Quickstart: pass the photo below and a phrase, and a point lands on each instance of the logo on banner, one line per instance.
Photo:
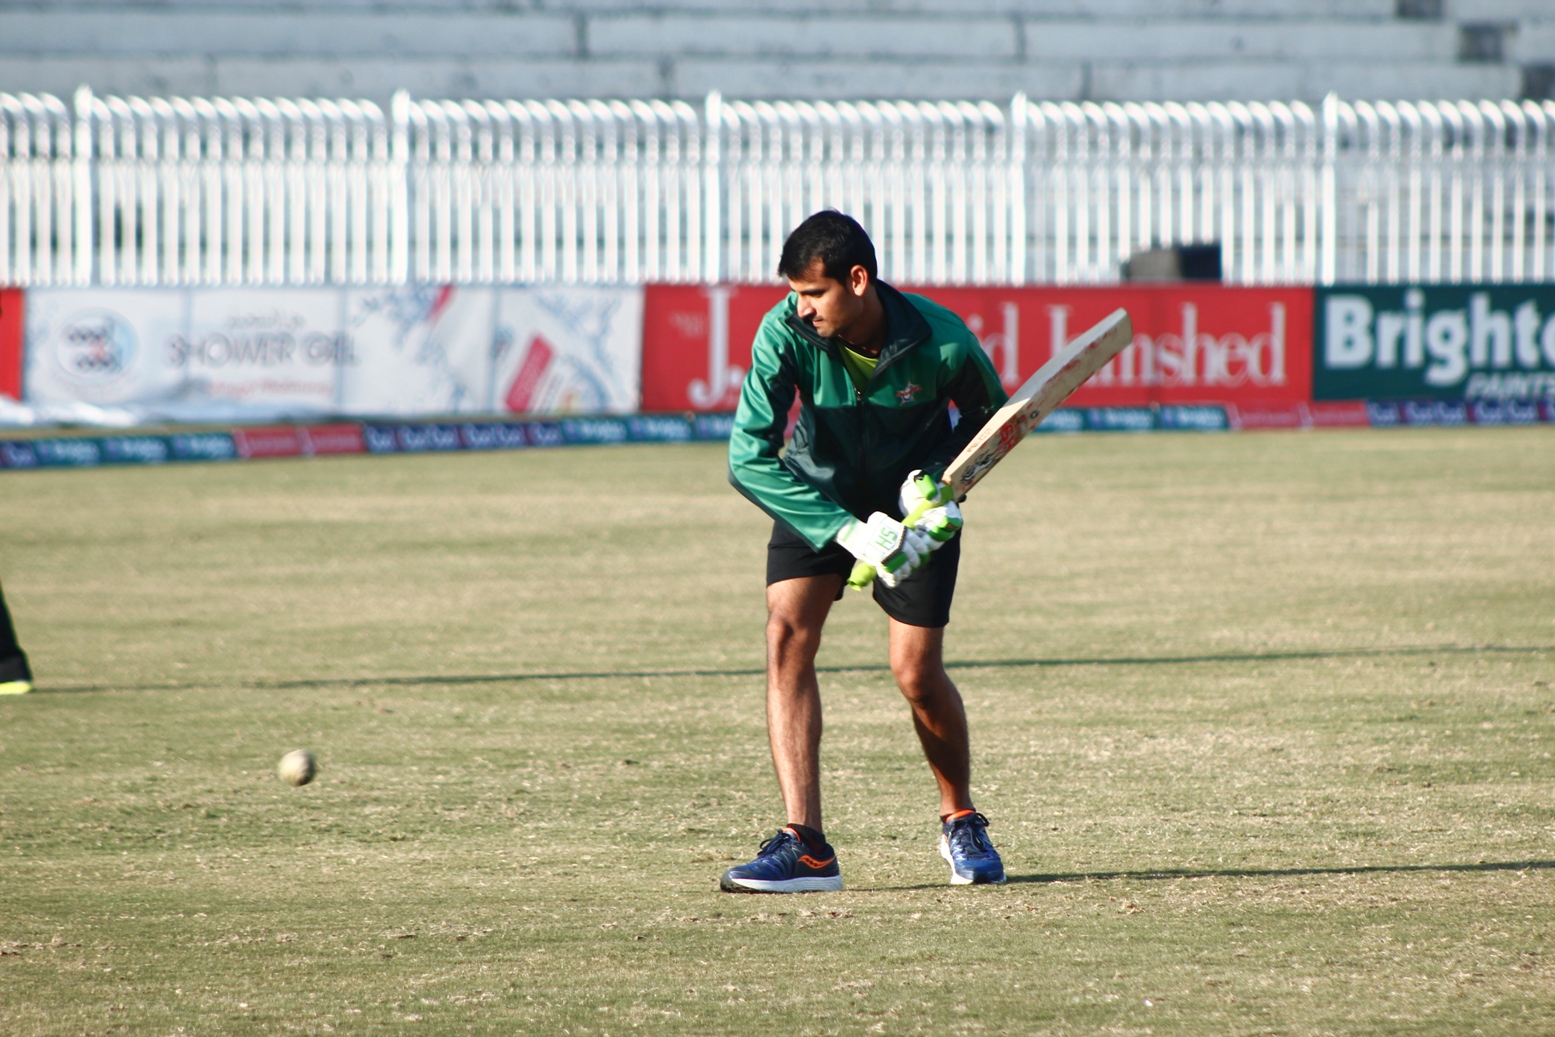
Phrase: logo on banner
(523, 391)
(1444, 341)
(723, 379)
(261, 338)
(96, 348)
(1003, 346)
(1191, 357)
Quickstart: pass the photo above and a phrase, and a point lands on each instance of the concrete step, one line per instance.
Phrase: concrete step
(244, 33)
(1374, 10)
(672, 36)
(1051, 49)
(1534, 40)
(377, 78)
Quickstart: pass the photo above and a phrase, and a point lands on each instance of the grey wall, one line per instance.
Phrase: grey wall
(1052, 49)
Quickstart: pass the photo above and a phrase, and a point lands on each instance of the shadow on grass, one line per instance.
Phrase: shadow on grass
(1153, 875)
(1159, 874)
(964, 664)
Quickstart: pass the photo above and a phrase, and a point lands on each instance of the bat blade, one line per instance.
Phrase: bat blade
(1041, 394)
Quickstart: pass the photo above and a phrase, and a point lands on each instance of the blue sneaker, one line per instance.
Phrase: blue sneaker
(784, 864)
(964, 844)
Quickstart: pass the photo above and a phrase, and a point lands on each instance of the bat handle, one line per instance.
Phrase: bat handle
(863, 573)
(862, 576)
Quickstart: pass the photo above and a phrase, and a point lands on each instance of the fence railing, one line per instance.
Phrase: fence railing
(160, 191)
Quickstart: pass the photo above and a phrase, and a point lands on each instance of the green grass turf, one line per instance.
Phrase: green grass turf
(1263, 723)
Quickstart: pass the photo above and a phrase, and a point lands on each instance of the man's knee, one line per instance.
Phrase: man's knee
(921, 680)
(789, 633)
(917, 661)
(796, 612)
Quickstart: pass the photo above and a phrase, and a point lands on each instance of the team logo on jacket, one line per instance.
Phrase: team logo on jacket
(906, 395)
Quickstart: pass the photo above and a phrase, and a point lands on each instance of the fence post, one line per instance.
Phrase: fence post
(81, 187)
(1330, 245)
(399, 179)
(1017, 180)
(712, 189)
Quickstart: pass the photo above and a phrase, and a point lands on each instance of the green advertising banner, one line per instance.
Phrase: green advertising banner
(1446, 342)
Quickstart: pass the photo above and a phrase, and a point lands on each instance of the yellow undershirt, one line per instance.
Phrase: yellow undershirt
(860, 367)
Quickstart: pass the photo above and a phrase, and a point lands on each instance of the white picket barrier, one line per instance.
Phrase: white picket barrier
(176, 191)
(219, 191)
(41, 188)
(580, 192)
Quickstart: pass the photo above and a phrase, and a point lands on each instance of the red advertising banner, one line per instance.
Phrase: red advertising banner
(298, 440)
(12, 334)
(1251, 347)
(697, 343)
(268, 441)
(333, 439)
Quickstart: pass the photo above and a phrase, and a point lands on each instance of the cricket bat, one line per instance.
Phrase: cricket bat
(1053, 383)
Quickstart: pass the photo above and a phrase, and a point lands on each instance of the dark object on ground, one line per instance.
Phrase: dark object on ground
(13, 661)
(1175, 263)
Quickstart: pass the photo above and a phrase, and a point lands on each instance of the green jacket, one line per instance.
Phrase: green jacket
(851, 450)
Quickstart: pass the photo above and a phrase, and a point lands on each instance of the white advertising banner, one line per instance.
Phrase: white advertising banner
(567, 350)
(117, 356)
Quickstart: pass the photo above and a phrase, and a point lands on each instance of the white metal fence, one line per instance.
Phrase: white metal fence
(145, 191)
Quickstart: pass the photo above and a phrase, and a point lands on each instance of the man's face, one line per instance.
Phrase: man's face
(826, 304)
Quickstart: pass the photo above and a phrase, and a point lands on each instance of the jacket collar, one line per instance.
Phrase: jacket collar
(905, 327)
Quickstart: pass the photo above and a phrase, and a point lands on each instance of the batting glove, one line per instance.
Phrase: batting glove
(942, 519)
(893, 549)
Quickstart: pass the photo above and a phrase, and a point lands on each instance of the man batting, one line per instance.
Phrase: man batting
(876, 371)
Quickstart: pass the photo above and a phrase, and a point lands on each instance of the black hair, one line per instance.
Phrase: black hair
(835, 239)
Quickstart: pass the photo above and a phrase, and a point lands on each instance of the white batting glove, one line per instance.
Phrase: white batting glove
(893, 549)
(940, 522)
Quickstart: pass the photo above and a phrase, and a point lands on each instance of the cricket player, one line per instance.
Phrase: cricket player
(15, 677)
(876, 371)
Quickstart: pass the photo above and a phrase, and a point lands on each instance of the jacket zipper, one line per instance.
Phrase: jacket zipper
(863, 447)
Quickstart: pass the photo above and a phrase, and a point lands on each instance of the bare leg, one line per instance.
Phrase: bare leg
(917, 661)
(796, 612)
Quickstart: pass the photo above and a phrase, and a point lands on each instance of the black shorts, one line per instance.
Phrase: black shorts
(921, 600)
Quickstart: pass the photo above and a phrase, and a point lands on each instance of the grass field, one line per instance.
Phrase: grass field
(1263, 723)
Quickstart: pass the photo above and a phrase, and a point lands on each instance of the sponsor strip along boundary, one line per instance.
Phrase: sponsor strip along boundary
(269, 441)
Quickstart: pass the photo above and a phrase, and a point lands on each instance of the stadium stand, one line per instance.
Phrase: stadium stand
(1050, 49)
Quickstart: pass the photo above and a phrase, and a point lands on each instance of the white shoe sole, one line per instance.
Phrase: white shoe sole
(958, 879)
(830, 884)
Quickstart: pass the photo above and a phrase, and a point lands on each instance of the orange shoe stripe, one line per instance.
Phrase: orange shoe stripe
(959, 814)
(806, 859)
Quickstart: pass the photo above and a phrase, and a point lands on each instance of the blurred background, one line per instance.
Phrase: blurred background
(1075, 50)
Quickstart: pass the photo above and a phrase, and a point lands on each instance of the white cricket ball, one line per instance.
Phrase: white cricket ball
(297, 767)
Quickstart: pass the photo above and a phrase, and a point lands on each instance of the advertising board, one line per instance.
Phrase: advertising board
(1479, 344)
(268, 354)
(697, 343)
(12, 336)
(1192, 344)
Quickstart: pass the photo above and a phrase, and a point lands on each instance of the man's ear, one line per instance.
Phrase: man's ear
(858, 280)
